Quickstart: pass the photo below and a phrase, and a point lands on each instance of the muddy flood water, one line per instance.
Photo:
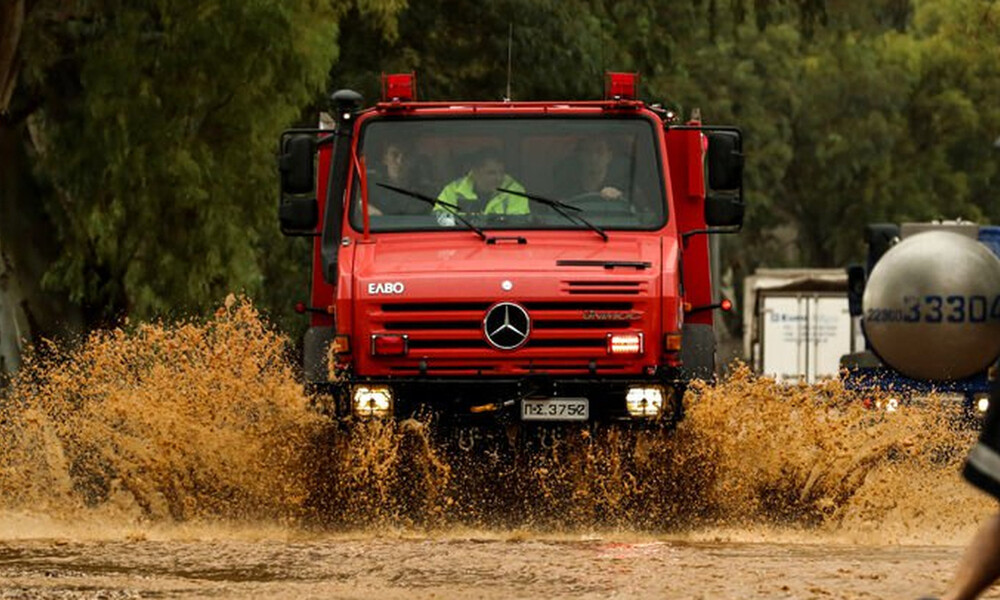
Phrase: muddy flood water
(184, 461)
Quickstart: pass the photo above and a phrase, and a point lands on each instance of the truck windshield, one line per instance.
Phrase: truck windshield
(590, 173)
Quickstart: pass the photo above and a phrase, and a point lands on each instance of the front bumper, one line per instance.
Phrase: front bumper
(472, 400)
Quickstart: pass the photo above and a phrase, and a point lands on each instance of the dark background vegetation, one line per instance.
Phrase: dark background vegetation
(137, 138)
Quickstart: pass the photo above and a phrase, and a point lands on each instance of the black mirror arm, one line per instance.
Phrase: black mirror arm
(709, 231)
(298, 233)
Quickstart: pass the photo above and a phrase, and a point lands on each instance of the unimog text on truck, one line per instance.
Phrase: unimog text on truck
(528, 261)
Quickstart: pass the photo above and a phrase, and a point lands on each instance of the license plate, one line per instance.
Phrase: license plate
(555, 409)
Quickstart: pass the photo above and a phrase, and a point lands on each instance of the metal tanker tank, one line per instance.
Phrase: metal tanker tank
(931, 306)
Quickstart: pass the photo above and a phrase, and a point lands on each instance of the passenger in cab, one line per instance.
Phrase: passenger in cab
(589, 171)
(477, 191)
(397, 165)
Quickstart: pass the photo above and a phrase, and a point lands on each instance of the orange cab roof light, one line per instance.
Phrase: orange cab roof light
(399, 87)
(621, 86)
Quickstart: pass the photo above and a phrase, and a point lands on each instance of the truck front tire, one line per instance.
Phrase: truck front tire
(698, 352)
(315, 348)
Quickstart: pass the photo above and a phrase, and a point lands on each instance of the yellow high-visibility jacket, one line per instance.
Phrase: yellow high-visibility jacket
(462, 193)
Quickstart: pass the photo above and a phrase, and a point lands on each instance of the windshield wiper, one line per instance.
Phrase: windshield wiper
(451, 208)
(561, 208)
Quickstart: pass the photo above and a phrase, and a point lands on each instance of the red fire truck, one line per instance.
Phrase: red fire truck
(534, 261)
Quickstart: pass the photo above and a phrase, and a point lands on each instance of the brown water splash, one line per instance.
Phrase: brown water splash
(816, 456)
(750, 453)
(195, 421)
(171, 422)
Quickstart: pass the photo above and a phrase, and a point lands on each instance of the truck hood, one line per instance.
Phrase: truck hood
(415, 256)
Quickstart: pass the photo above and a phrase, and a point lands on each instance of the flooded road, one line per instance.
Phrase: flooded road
(468, 565)
(184, 461)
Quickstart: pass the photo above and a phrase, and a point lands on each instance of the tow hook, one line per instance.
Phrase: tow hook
(548, 439)
(466, 439)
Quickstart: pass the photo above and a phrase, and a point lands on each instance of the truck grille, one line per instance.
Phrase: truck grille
(448, 337)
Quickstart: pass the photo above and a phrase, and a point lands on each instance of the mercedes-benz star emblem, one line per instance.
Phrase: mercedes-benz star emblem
(507, 326)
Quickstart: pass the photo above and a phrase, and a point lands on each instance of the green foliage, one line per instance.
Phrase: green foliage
(158, 120)
(459, 50)
(874, 112)
(159, 137)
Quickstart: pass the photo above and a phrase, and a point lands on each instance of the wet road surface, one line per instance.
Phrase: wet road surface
(205, 564)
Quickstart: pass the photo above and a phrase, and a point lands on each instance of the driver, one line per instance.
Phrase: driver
(589, 172)
(476, 192)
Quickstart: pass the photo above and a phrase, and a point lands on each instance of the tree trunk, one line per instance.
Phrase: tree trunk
(11, 25)
(28, 245)
(14, 328)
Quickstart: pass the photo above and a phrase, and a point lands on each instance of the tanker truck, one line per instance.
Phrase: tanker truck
(929, 304)
(491, 283)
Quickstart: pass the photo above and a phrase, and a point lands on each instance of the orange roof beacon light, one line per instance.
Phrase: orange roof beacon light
(399, 87)
(621, 86)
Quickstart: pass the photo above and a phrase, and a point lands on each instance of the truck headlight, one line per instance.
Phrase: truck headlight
(373, 401)
(982, 403)
(645, 401)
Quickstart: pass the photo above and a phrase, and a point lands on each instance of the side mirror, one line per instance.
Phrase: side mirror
(724, 210)
(298, 212)
(298, 155)
(725, 161)
(298, 216)
(724, 206)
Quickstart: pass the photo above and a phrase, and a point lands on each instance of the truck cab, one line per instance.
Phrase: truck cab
(541, 261)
